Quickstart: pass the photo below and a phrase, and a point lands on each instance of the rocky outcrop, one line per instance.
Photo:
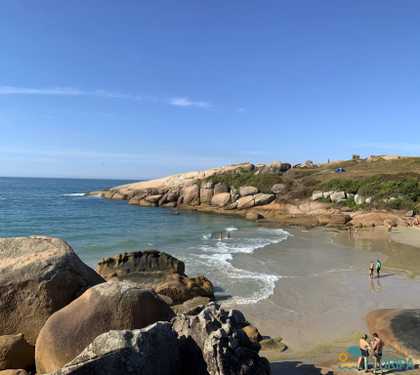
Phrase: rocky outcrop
(159, 271)
(262, 199)
(38, 276)
(215, 344)
(206, 193)
(246, 202)
(221, 199)
(278, 188)
(252, 333)
(338, 196)
(16, 353)
(191, 307)
(247, 190)
(153, 350)
(108, 306)
(181, 288)
(374, 219)
(212, 342)
(191, 195)
(221, 187)
(128, 265)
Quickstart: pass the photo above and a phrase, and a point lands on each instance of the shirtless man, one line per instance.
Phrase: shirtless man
(377, 347)
(364, 353)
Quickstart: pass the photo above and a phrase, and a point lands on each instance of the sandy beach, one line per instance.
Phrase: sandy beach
(324, 292)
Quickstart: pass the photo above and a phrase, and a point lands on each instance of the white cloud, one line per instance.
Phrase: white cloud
(70, 91)
(63, 91)
(187, 102)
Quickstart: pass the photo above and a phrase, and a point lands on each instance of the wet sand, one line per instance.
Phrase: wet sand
(324, 291)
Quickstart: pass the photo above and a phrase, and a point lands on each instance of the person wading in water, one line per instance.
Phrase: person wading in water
(378, 268)
(371, 269)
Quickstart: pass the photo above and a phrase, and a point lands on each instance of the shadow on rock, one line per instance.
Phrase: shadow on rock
(297, 368)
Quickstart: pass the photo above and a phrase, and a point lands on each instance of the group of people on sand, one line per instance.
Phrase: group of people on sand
(373, 346)
(375, 266)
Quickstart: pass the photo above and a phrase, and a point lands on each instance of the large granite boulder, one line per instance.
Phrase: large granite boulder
(109, 306)
(191, 195)
(16, 353)
(38, 276)
(168, 197)
(261, 199)
(181, 288)
(247, 190)
(206, 192)
(135, 264)
(246, 202)
(338, 196)
(220, 200)
(279, 188)
(155, 198)
(117, 196)
(214, 343)
(153, 350)
(221, 187)
(192, 306)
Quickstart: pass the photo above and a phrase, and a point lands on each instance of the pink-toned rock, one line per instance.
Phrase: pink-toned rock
(220, 200)
(38, 276)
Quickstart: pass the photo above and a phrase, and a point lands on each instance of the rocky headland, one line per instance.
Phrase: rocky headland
(139, 313)
(368, 193)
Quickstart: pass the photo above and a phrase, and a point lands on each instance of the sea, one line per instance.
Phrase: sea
(98, 228)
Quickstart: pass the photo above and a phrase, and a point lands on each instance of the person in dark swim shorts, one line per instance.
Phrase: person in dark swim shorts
(364, 353)
(377, 346)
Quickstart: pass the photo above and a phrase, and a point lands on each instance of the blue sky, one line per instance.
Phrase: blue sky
(131, 89)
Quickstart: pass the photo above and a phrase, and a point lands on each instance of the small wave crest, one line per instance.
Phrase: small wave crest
(219, 254)
(266, 282)
(231, 229)
(74, 195)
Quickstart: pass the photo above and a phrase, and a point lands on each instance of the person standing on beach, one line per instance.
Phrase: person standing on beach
(377, 347)
(364, 354)
(378, 267)
(371, 269)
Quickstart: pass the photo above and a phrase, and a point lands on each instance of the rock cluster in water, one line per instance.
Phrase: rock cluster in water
(58, 316)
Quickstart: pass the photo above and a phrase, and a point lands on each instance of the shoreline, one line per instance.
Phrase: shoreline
(308, 318)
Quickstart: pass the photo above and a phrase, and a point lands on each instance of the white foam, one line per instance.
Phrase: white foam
(219, 254)
(74, 195)
(267, 281)
(206, 236)
(275, 231)
(231, 229)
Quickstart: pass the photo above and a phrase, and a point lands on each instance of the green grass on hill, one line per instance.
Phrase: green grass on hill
(395, 191)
